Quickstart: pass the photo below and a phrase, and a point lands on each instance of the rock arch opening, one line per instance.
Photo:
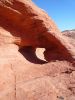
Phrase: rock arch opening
(33, 55)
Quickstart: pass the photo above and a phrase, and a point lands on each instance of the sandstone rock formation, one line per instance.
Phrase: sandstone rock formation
(69, 33)
(23, 76)
(32, 27)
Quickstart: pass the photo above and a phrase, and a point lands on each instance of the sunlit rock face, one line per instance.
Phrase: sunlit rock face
(69, 33)
(36, 59)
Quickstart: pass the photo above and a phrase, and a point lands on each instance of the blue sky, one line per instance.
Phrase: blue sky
(61, 11)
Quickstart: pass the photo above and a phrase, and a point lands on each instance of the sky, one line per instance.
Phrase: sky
(61, 11)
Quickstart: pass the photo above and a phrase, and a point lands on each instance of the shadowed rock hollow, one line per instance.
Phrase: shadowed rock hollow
(27, 72)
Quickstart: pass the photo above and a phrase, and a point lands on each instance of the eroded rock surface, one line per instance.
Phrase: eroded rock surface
(32, 27)
(23, 76)
(69, 33)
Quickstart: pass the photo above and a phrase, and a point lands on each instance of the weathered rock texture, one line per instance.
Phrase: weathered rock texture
(69, 33)
(70, 36)
(23, 76)
(30, 26)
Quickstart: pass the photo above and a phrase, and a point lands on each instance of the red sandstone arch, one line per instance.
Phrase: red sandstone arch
(32, 27)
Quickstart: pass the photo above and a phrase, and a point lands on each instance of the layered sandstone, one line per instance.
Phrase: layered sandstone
(25, 73)
(32, 27)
